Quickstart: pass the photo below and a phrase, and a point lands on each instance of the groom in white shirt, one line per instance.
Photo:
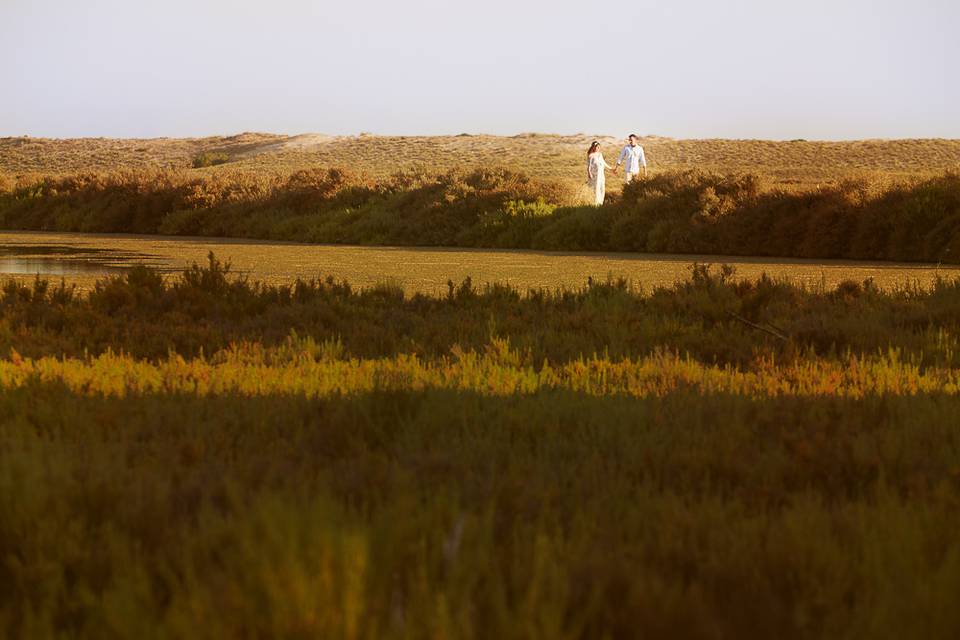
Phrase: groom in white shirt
(633, 154)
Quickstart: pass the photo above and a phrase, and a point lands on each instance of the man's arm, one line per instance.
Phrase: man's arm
(643, 161)
(623, 154)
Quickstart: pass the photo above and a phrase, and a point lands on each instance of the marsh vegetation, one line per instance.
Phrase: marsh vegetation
(208, 455)
(213, 457)
(689, 212)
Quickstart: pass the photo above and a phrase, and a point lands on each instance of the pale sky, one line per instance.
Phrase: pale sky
(815, 69)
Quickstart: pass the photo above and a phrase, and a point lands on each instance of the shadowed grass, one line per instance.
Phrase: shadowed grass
(315, 461)
(452, 514)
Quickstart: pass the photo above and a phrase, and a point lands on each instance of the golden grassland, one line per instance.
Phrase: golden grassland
(248, 371)
(713, 459)
(91, 257)
(798, 163)
(866, 200)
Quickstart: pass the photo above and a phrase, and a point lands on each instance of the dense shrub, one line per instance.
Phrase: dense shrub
(740, 459)
(210, 159)
(457, 514)
(675, 212)
(712, 317)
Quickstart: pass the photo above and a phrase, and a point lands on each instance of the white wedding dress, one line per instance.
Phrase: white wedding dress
(598, 182)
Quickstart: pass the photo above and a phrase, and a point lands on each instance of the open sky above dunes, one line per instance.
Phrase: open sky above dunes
(687, 68)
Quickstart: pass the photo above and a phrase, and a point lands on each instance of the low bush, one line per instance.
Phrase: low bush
(209, 457)
(712, 317)
(417, 512)
(677, 212)
(209, 159)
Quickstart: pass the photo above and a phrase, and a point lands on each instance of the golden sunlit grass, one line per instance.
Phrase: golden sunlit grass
(424, 271)
(249, 370)
(868, 200)
(798, 163)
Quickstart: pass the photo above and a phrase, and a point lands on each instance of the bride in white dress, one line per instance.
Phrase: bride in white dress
(596, 165)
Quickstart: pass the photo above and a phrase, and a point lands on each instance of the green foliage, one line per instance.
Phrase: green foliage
(210, 159)
(674, 212)
(712, 317)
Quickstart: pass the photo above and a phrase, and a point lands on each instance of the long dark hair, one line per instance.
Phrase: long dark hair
(593, 147)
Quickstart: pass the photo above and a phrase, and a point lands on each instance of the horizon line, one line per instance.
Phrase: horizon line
(367, 134)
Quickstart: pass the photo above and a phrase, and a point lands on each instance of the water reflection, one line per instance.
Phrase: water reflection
(50, 250)
(55, 267)
(61, 260)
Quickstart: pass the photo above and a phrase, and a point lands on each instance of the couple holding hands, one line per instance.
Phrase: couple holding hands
(632, 155)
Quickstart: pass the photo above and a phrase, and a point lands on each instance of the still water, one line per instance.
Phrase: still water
(84, 258)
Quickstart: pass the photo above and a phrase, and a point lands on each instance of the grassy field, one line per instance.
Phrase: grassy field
(720, 458)
(873, 200)
(83, 259)
(216, 458)
(409, 512)
(788, 164)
